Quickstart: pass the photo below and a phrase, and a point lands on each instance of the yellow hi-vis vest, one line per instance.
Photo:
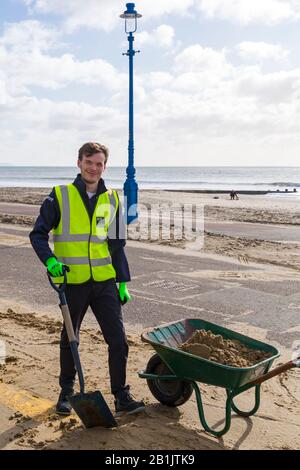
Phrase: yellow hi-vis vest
(81, 243)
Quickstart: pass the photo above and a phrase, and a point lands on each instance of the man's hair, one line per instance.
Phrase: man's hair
(90, 148)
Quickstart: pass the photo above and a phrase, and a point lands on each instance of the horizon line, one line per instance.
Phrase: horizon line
(3, 165)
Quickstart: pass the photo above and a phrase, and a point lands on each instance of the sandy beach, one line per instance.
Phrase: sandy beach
(28, 379)
(281, 212)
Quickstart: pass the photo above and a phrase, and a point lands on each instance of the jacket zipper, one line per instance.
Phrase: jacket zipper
(89, 240)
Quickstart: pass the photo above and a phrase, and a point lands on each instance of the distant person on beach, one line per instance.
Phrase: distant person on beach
(89, 238)
(233, 195)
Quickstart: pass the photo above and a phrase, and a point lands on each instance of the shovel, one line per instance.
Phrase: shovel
(91, 408)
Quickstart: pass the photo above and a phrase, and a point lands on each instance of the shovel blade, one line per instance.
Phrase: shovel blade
(93, 410)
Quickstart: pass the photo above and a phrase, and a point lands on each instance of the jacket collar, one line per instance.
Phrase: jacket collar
(81, 186)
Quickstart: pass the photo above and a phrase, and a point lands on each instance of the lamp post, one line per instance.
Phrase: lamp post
(130, 185)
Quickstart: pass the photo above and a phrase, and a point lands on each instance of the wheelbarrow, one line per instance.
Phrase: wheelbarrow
(172, 374)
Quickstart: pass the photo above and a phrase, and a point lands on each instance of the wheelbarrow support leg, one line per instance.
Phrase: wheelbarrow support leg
(202, 417)
(245, 414)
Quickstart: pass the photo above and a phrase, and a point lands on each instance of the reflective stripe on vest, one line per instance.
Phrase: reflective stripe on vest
(81, 243)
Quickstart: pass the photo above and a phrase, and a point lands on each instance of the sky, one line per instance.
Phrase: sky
(216, 82)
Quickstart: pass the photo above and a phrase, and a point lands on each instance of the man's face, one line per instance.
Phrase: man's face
(92, 167)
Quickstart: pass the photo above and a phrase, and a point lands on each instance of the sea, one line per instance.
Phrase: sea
(176, 178)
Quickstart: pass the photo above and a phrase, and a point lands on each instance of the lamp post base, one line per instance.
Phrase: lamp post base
(130, 200)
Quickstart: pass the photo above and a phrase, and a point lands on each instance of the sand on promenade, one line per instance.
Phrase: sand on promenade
(28, 386)
(249, 208)
(29, 379)
(269, 211)
(258, 209)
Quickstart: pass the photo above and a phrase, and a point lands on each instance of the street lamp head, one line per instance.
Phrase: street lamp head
(130, 16)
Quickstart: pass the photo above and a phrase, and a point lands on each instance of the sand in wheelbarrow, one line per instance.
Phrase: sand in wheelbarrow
(228, 352)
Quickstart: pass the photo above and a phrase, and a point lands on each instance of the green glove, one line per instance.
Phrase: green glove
(123, 293)
(55, 268)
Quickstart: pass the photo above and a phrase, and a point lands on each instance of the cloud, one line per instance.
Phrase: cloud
(271, 88)
(4, 95)
(261, 51)
(29, 34)
(208, 98)
(103, 14)
(152, 9)
(251, 11)
(90, 13)
(46, 132)
(38, 129)
(25, 63)
(200, 106)
(180, 117)
(196, 58)
(162, 36)
(157, 79)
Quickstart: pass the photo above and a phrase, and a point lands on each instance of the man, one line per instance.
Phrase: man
(89, 237)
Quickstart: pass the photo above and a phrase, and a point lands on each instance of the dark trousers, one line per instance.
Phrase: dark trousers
(104, 301)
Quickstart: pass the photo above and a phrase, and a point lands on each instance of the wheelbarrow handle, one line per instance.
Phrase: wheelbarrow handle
(278, 370)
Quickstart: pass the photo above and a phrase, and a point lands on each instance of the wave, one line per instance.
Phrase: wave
(215, 183)
(50, 178)
(286, 184)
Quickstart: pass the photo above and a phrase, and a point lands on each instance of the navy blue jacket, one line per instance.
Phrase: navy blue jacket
(50, 216)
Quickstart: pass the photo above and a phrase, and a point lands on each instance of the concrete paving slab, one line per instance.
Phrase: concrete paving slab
(283, 288)
(169, 284)
(173, 286)
(271, 232)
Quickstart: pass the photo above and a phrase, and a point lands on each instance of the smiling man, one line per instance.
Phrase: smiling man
(89, 237)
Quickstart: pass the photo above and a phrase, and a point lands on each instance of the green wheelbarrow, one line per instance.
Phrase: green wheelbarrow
(172, 374)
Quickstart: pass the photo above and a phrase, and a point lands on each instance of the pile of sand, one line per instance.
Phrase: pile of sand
(229, 352)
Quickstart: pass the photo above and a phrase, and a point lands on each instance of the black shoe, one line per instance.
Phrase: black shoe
(126, 404)
(63, 406)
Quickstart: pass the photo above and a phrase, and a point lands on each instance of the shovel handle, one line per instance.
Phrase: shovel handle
(72, 341)
(68, 324)
(278, 370)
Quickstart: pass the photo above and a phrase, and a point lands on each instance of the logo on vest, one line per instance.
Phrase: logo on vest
(100, 221)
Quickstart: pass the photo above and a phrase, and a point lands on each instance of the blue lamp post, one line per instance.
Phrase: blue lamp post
(130, 185)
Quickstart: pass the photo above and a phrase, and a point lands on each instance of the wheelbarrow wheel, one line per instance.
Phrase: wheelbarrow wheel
(167, 392)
